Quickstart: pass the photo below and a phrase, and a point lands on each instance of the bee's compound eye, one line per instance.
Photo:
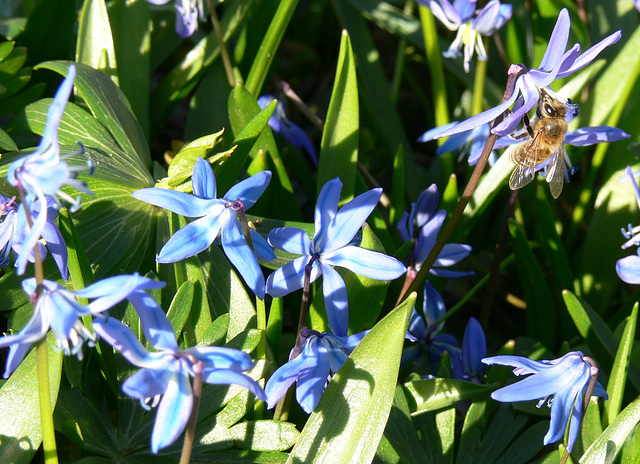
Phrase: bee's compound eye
(569, 101)
(549, 110)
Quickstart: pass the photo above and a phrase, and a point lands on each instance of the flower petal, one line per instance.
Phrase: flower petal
(290, 239)
(326, 209)
(173, 412)
(220, 357)
(193, 238)
(58, 248)
(590, 54)
(366, 263)
(474, 348)
(249, 190)
(451, 254)
(289, 277)
(203, 180)
(157, 329)
(335, 300)
(179, 202)
(348, 221)
(287, 374)
(628, 269)
(228, 377)
(557, 42)
(112, 290)
(445, 12)
(598, 134)
(262, 247)
(313, 376)
(242, 257)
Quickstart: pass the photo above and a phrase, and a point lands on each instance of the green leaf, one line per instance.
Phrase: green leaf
(181, 307)
(541, 313)
(339, 147)
(20, 429)
(401, 433)
(472, 429)
(267, 51)
(607, 447)
(109, 106)
(6, 142)
(348, 423)
(504, 427)
(264, 435)
(181, 167)
(526, 446)
(433, 394)
(95, 42)
(618, 376)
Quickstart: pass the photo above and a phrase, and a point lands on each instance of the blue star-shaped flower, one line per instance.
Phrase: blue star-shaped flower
(322, 355)
(331, 246)
(556, 64)
(188, 12)
(163, 379)
(291, 132)
(217, 216)
(564, 380)
(44, 172)
(428, 337)
(58, 308)
(470, 24)
(423, 223)
(14, 231)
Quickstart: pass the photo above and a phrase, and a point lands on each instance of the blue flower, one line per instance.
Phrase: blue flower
(423, 223)
(556, 64)
(428, 337)
(14, 231)
(58, 308)
(288, 130)
(44, 172)
(332, 245)
(474, 349)
(322, 355)
(187, 14)
(470, 24)
(563, 381)
(628, 268)
(469, 142)
(582, 137)
(217, 217)
(163, 379)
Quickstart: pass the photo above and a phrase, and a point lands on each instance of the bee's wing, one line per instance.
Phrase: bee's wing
(555, 174)
(521, 176)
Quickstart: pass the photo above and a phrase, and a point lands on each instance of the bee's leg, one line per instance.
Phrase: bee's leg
(527, 124)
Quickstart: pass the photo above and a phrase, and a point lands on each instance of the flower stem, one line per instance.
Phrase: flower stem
(224, 51)
(421, 277)
(190, 434)
(42, 358)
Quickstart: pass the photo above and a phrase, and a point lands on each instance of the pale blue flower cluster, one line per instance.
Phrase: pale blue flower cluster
(470, 24)
(561, 382)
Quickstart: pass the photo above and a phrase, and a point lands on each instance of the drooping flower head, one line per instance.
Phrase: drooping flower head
(474, 349)
(423, 223)
(470, 24)
(188, 12)
(563, 382)
(291, 132)
(331, 246)
(556, 63)
(14, 230)
(427, 336)
(58, 308)
(217, 216)
(42, 173)
(163, 378)
(321, 357)
(628, 268)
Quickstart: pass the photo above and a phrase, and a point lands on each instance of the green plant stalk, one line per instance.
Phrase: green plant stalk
(584, 201)
(422, 275)
(42, 361)
(224, 51)
(398, 70)
(266, 53)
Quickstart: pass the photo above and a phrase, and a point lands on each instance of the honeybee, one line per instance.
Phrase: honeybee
(547, 134)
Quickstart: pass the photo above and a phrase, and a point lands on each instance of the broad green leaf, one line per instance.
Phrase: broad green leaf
(433, 394)
(109, 106)
(267, 51)
(339, 147)
(446, 426)
(6, 142)
(20, 429)
(541, 313)
(618, 376)
(347, 424)
(590, 428)
(181, 167)
(95, 42)
(208, 106)
(607, 447)
(504, 427)
(265, 435)
(472, 430)
(526, 446)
